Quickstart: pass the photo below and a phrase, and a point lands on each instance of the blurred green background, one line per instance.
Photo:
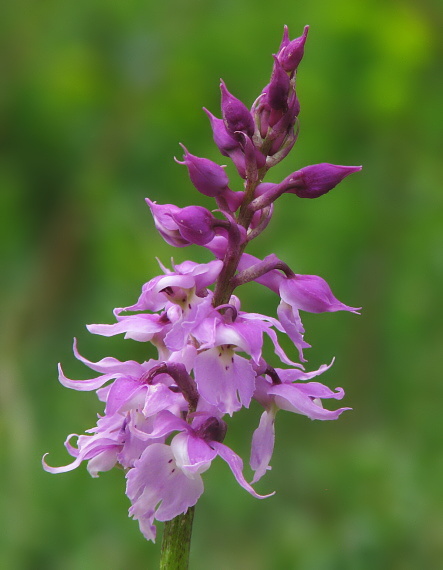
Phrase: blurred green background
(96, 96)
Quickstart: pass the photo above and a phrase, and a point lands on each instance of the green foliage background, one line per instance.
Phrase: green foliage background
(96, 96)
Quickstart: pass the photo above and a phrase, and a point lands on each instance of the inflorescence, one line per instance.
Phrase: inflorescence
(164, 419)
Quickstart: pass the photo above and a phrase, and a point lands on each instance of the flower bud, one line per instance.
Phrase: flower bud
(253, 158)
(278, 88)
(285, 39)
(165, 225)
(222, 138)
(236, 115)
(291, 54)
(195, 224)
(312, 294)
(317, 179)
(208, 177)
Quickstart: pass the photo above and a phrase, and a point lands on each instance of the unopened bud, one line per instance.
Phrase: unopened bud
(315, 180)
(236, 115)
(208, 177)
(312, 294)
(291, 54)
(165, 225)
(195, 224)
(278, 88)
(222, 138)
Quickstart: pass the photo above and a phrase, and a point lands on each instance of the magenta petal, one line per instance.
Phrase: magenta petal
(236, 465)
(262, 445)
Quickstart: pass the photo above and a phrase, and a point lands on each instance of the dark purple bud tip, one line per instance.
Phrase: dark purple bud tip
(208, 177)
(213, 429)
(315, 180)
(285, 39)
(236, 115)
(195, 224)
(292, 53)
(278, 88)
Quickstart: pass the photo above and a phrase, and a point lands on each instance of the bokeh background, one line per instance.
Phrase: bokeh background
(95, 97)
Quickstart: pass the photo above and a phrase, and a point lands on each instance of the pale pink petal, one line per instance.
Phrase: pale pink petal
(192, 454)
(158, 488)
(224, 379)
(294, 374)
(110, 365)
(86, 385)
(263, 445)
(292, 398)
(236, 465)
(291, 322)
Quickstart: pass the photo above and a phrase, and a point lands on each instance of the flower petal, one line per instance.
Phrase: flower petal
(291, 397)
(224, 379)
(236, 465)
(263, 445)
(158, 488)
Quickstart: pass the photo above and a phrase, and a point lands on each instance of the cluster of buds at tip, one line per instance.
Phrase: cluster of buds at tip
(166, 419)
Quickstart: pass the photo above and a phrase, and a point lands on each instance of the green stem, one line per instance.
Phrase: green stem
(177, 542)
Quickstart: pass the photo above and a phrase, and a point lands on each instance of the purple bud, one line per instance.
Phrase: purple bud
(315, 180)
(234, 199)
(283, 128)
(238, 158)
(285, 39)
(283, 149)
(195, 224)
(312, 294)
(278, 88)
(291, 54)
(253, 158)
(222, 138)
(208, 177)
(167, 228)
(235, 114)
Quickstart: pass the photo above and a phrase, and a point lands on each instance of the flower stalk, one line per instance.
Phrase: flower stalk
(176, 543)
